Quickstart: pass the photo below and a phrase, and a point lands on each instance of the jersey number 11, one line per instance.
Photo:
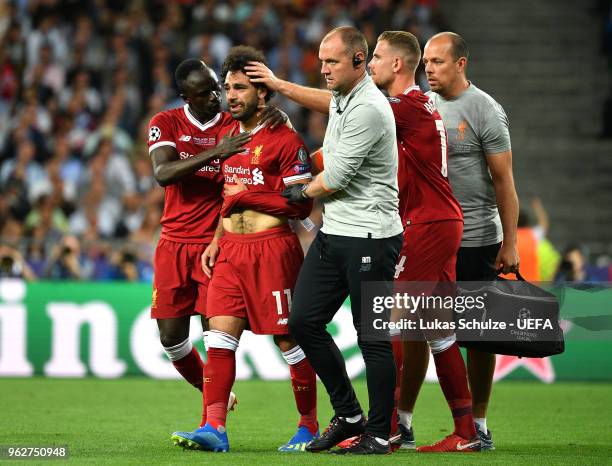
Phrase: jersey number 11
(279, 302)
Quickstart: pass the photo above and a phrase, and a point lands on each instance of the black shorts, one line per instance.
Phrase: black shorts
(477, 263)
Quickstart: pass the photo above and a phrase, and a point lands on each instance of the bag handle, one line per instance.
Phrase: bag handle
(518, 275)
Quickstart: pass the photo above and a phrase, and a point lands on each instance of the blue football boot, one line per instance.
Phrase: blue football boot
(299, 441)
(205, 438)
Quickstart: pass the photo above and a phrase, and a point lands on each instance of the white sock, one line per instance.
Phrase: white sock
(294, 355)
(352, 419)
(178, 352)
(405, 418)
(382, 441)
(482, 424)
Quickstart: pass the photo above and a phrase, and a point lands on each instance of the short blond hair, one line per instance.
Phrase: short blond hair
(407, 44)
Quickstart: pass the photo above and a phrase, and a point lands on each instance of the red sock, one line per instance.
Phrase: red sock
(219, 376)
(453, 381)
(304, 383)
(398, 357)
(204, 405)
(191, 368)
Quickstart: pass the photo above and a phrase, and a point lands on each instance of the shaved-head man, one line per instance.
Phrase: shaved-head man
(480, 172)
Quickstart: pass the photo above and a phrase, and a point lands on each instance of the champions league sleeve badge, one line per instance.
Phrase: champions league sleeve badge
(302, 155)
(154, 133)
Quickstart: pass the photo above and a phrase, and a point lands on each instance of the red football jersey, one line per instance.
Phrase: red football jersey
(271, 160)
(424, 190)
(192, 205)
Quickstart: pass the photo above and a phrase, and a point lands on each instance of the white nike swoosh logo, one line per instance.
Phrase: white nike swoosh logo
(467, 445)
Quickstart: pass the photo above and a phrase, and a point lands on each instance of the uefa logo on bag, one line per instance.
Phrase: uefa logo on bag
(524, 314)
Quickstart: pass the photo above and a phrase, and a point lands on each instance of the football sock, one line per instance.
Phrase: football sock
(453, 381)
(352, 419)
(186, 360)
(405, 418)
(304, 383)
(219, 376)
(482, 424)
(204, 405)
(398, 358)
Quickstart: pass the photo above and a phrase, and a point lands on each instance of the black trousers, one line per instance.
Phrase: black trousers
(477, 263)
(333, 269)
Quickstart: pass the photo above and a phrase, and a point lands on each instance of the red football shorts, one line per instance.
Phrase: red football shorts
(429, 252)
(426, 265)
(254, 277)
(179, 284)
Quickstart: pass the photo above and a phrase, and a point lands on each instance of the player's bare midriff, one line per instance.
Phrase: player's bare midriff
(251, 221)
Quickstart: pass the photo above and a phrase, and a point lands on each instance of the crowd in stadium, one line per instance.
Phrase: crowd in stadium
(604, 10)
(79, 83)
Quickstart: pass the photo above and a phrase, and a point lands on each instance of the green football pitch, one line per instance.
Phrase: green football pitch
(130, 421)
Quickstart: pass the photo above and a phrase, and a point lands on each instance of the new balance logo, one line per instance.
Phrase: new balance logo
(258, 177)
(282, 321)
(185, 138)
(366, 264)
